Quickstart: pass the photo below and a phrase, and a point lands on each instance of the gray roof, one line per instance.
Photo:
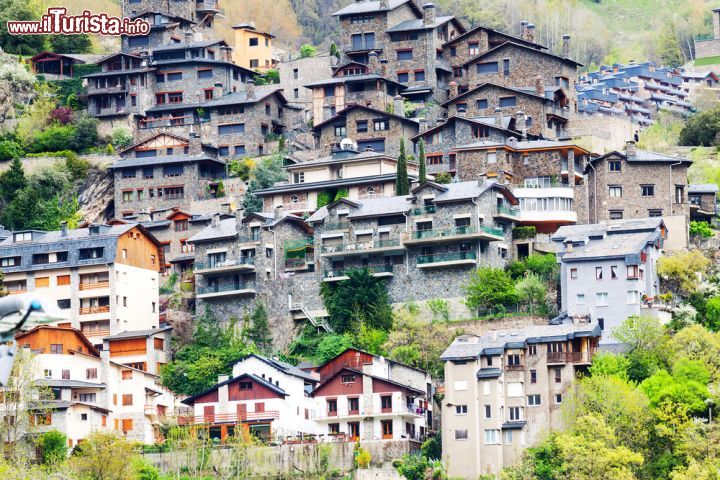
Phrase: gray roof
(351, 78)
(226, 228)
(137, 333)
(463, 190)
(54, 382)
(611, 246)
(373, 207)
(236, 98)
(183, 45)
(163, 160)
(319, 215)
(301, 187)
(419, 24)
(183, 258)
(702, 188)
(647, 156)
(337, 159)
(572, 232)
(468, 347)
(368, 7)
(118, 72)
(286, 368)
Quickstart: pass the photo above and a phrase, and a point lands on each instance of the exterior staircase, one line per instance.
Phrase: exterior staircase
(300, 312)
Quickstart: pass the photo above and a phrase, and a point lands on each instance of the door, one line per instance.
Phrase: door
(209, 414)
(242, 412)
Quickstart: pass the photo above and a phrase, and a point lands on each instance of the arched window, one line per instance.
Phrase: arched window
(294, 199)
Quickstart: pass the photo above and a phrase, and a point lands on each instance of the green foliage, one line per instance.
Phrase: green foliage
(18, 44)
(523, 232)
(86, 134)
(681, 270)
(272, 76)
(443, 177)
(545, 266)
(422, 172)
(53, 447)
(531, 291)
(432, 447)
(144, 470)
(701, 230)
(361, 457)
(362, 299)
(12, 180)
(54, 138)
(668, 47)
(214, 350)
(242, 168)
(121, 138)
(413, 466)
(687, 386)
(105, 455)
(307, 51)
(402, 182)
(109, 150)
(169, 286)
(70, 43)
(10, 150)
(80, 71)
(489, 288)
(331, 346)
(440, 309)
(259, 332)
(712, 314)
(334, 50)
(701, 129)
(646, 342)
(342, 193)
(68, 90)
(607, 363)
(267, 171)
(323, 199)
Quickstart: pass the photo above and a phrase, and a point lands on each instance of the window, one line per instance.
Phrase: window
(42, 282)
(654, 213)
(254, 42)
(633, 297)
(461, 410)
(487, 67)
(598, 273)
(580, 298)
(558, 374)
(492, 437)
(362, 126)
(90, 373)
(558, 398)
(298, 177)
(353, 405)
(230, 128)
(296, 73)
(506, 67)
(492, 157)
(9, 261)
(533, 376)
(386, 403)
(331, 407)
(245, 385)
(205, 73)
(473, 48)
(381, 124)
(127, 399)
(208, 93)
(647, 190)
(616, 214)
(56, 348)
(181, 225)
(127, 374)
(508, 102)
(340, 130)
(88, 397)
(172, 76)
(601, 323)
(573, 273)
(480, 131)
(461, 434)
(532, 350)
(403, 77)
(632, 271)
(296, 93)
(508, 437)
(387, 428)
(405, 54)
(482, 104)
(515, 413)
(348, 378)
(63, 303)
(615, 192)
(614, 166)
(679, 194)
(488, 412)
(489, 361)
(513, 359)
(175, 97)
(127, 423)
(462, 106)
(419, 75)
(534, 400)
(601, 299)
(434, 160)
(239, 149)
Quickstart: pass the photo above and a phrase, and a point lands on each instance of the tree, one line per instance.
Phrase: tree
(712, 314)
(12, 180)
(701, 129)
(334, 50)
(422, 172)
(646, 341)
(70, 43)
(266, 173)
(105, 455)
(545, 266)
(18, 44)
(668, 46)
(259, 332)
(53, 447)
(331, 346)
(10, 150)
(121, 137)
(362, 299)
(701, 230)
(443, 177)
(531, 291)
(402, 182)
(489, 288)
(307, 51)
(607, 363)
(687, 387)
(681, 269)
(699, 344)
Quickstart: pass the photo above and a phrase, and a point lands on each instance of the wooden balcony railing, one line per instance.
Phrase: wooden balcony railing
(556, 357)
(92, 285)
(97, 333)
(89, 310)
(229, 417)
(514, 368)
(16, 292)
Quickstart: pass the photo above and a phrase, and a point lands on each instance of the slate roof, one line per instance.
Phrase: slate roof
(352, 78)
(354, 106)
(226, 228)
(183, 45)
(336, 159)
(644, 156)
(616, 245)
(702, 188)
(573, 232)
(163, 160)
(524, 91)
(137, 333)
(524, 47)
(284, 367)
(419, 24)
(235, 98)
(301, 187)
(119, 72)
(370, 7)
(374, 207)
(512, 37)
(469, 347)
(54, 382)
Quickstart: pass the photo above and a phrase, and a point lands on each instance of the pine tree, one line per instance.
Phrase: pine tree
(422, 175)
(259, 331)
(12, 180)
(402, 183)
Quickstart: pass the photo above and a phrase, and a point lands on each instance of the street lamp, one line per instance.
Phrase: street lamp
(709, 402)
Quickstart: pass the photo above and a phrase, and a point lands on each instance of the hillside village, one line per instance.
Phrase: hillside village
(437, 250)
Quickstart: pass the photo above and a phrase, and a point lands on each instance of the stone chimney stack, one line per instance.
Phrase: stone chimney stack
(461, 112)
(383, 67)
(498, 117)
(539, 87)
(384, 5)
(423, 124)
(398, 107)
(716, 24)
(239, 214)
(327, 112)
(279, 211)
(63, 229)
(429, 14)
(523, 28)
(630, 149)
(373, 63)
(566, 46)
(194, 143)
(215, 221)
(530, 33)
(250, 88)
(520, 124)
(453, 89)
(189, 37)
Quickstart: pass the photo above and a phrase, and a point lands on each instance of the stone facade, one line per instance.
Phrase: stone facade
(296, 73)
(646, 184)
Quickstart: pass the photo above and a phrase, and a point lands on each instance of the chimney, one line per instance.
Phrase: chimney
(498, 117)
(250, 88)
(423, 124)
(279, 211)
(384, 5)
(566, 46)
(429, 14)
(716, 24)
(539, 87)
(373, 63)
(63, 229)
(630, 150)
(523, 28)
(453, 89)
(521, 124)
(189, 37)
(327, 112)
(239, 213)
(223, 378)
(461, 112)
(215, 221)
(530, 33)
(568, 246)
(223, 394)
(194, 143)
(383, 67)
(398, 107)
(144, 216)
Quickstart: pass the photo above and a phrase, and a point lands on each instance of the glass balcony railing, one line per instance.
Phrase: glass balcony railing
(363, 246)
(508, 211)
(292, 245)
(337, 226)
(446, 257)
(226, 263)
(225, 287)
(249, 238)
(450, 232)
(428, 209)
(384, 268)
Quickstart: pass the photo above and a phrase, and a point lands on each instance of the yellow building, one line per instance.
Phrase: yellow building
(253, 48)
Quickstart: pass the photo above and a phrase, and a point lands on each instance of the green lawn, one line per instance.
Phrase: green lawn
(700, 62)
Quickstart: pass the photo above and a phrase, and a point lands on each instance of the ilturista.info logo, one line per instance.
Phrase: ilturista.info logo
(57, 22)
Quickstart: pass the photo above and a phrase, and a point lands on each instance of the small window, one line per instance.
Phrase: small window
(615, 192)
(127, 399)
(598, 273)
(532, 350)
(362, 126)
(482, 104)
(246, 385)
(534, 400)
(613, 272)
(602, 299)
(254, 42)
(56, 348)
(487, 68)
(647, 190)
(419, 75)
(403, 77)
(488, 412)
(348, 378)
(127, 374)
(492, 157)
(508, 102)
(573, 273)
(473, 48)
(404, 54)
(558, 398)
(614, 166)
(533, 376)
(461, 434)
(461, 410)
(580, 299)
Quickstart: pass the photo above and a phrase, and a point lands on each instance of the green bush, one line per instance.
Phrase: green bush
(490, 288)
(545, 266)
(443, 177)
(323, 199)
(54, 138)
(523, 232)
(440, 309)
(53, 447)
(307, 51)
(121, 138)
(9, 150)
(701, 230)
(342, 193)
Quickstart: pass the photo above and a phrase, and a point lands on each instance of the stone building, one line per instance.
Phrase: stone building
(296, 73)
(105, 278)
(703, 202)
(368, 128)
(312, 184)
(710, 47)
(504, 392)
(165, 171)
(608, 271)
(637, 184)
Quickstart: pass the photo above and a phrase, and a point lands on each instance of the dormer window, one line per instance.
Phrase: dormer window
(22, 237)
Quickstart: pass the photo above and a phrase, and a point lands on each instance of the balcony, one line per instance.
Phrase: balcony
(226, 290)
(17, 291)
(546, 203)
(208, 6)
(94, 285)
(559, 112)
(441, 260)
(577, 169)
(412, 411)
(426, 210)
(232, 417)
(91, 310)
(557, 357)
(506, 213)
(378, 271)
(292, 264)
(569, 357)
(454, 234)
(238, 264)
(336, 226)
(107, 90)
(514, 368)
(373, 246)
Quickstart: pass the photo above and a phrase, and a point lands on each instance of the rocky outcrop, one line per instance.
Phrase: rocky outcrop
(96, 195)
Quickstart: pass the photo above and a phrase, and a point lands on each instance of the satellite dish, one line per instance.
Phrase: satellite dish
(347, 144)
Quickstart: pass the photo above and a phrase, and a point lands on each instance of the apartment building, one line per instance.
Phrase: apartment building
(637, 184)
(609, 270)
(703, 202)
(165, 171)
(357, 174)
(105, 277)
(296, 73)
(96, 390)
(266, 397)
(253, 48)
(368, 128)
(504, 392)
